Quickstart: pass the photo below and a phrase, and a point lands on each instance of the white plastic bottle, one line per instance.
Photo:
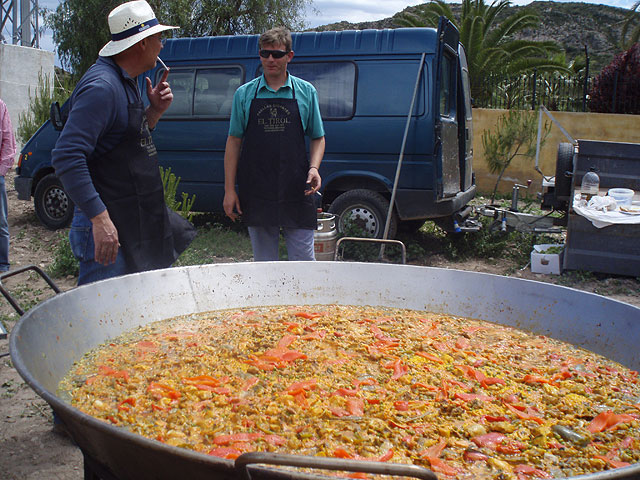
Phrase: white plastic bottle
(590, 184)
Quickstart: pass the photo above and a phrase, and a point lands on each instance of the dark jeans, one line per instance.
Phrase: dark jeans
(83, 248)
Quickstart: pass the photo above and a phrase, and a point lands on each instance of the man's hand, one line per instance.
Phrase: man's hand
(313, 179)
(105, 238)
(316, 152)
(231, 204)
(160, 97)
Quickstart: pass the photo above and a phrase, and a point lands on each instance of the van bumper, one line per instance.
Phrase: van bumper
(23, 187)
(416, 205)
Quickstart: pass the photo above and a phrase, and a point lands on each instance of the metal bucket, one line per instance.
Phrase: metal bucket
(325, 236)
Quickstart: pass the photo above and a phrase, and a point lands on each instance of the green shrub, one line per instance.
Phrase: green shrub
(40, 102)
(170, 184)
(64, 263)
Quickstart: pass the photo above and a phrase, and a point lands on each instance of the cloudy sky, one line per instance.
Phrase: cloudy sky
(331, 11)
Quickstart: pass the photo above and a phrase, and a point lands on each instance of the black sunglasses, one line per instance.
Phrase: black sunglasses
(264, 53)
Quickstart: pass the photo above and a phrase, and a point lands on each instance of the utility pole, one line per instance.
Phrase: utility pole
(22, 17)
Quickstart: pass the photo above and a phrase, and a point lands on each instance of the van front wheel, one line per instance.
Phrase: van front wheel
(53, 207)
(363, 211)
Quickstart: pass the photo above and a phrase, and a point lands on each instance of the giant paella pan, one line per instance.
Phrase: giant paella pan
(50, 338)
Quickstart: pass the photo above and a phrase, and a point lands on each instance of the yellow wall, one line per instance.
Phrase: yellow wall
(589, 126)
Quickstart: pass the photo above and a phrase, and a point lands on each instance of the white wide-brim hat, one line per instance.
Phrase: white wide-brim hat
(129, 23)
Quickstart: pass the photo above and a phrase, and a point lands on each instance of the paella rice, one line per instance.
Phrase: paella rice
(465, 398)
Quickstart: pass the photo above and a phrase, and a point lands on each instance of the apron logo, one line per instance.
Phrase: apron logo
(274, 118)
(146, 140)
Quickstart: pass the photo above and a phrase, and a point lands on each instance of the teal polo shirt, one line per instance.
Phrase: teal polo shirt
(306, 96)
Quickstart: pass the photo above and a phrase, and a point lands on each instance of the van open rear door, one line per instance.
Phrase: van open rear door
(445, 102)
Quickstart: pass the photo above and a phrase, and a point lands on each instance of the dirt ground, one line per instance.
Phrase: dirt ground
(29, 448)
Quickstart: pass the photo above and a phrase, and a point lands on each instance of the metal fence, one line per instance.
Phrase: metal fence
(560, 93)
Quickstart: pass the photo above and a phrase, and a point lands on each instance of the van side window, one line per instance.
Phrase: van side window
(335, 83)
(203, 92)
(181, 82)
(385, 89)
(445, 86)
(214, 91)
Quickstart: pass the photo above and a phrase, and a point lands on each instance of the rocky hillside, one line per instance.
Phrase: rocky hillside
(571, 25)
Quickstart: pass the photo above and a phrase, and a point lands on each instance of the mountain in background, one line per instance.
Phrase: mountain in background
(572, 25)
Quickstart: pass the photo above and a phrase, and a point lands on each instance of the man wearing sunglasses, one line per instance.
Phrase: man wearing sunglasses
(266, 154)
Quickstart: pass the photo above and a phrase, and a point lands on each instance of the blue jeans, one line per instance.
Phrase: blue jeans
(4, 229)
(83, 248)
(264, 241)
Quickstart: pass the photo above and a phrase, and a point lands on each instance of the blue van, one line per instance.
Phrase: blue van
(366, 80)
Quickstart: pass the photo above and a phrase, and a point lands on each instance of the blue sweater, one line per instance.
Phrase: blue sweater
(98, 118)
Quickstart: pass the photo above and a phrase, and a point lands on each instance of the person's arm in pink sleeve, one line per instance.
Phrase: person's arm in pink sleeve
(7, 141)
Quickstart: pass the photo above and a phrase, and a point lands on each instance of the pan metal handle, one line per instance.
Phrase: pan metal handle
(396, 469)
(11, 273)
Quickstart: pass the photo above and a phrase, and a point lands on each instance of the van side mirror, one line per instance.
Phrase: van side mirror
(55, 117)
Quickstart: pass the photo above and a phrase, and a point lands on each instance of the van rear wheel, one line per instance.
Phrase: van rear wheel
(53, 207)
(365, 210)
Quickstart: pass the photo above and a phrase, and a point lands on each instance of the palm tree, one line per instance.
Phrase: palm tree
(490, 45)
(630, 26)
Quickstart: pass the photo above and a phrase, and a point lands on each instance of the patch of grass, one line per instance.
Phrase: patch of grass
(64, 263)
(36, 240)
(26, 295)
(215, 241)
(573, 277)
(9, 389)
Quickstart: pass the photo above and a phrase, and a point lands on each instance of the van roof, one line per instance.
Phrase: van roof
(343, 43)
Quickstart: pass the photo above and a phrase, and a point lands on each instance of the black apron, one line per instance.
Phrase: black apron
(273, 167)
(128, 181)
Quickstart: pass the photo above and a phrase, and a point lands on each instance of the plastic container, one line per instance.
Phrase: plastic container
(590, 184)
(622, 196)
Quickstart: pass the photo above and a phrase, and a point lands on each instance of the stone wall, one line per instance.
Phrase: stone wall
(19, 69)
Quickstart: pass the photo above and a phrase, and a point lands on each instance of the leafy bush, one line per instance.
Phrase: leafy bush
(170, 184)
(64, 263)
(616, 89)
(40, 103)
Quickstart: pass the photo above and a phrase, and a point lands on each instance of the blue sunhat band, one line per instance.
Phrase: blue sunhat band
(134, 30)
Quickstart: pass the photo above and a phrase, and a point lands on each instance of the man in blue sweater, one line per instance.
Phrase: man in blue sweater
(106, 159)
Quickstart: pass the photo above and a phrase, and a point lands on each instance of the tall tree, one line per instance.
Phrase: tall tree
(80, 26)
(631, 27)
(491, 46)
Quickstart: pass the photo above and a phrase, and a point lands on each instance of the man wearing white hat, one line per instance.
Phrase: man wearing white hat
(106, 159)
